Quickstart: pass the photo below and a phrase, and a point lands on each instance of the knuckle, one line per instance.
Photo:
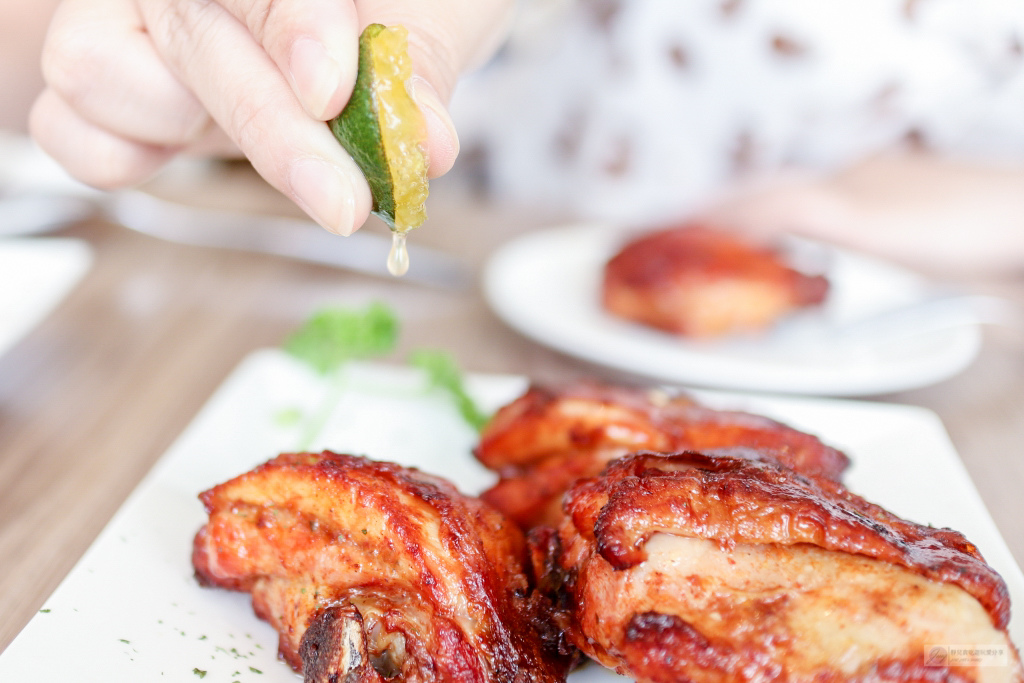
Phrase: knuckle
(177, 27)
(122, 165)
(70, 62)
(259, 15)
(246, 125)
(106, 164)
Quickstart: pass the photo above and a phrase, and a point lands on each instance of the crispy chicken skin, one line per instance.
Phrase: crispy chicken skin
(370, 572)
(721, 567)
(547, 439)
(695, 281)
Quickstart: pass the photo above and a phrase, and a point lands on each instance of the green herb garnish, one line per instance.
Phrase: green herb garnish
(289, 417)
(255, 670)
(334, 336)
(199, 672)
(444, 373)
(331, 338)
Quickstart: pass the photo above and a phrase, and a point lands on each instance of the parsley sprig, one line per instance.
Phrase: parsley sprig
(329, 340)
(333, 337)
(444, 373)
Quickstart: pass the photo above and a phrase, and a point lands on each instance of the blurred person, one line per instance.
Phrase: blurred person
(889, 125)
(894, 126)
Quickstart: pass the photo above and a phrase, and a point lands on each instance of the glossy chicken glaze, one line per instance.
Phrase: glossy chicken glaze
(713, 567)
(370, 571)
(695, 281)
(545, 440)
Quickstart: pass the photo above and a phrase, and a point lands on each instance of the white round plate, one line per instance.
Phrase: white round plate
(547, 286)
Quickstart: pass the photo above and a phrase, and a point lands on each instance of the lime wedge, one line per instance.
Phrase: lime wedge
(383, 129)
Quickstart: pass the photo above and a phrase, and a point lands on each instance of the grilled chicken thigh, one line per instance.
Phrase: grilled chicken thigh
(723, 567)
(544, 441)
(699, 282)
(373, 572)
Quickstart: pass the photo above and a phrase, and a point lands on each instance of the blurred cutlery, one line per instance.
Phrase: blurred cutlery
(33, 213)
(940, 311)
(299, 239)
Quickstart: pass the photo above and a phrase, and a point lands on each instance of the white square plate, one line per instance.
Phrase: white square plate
(130, 610)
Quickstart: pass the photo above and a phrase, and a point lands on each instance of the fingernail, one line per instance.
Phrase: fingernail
(325, 192)
(440, 127)
(315, 75)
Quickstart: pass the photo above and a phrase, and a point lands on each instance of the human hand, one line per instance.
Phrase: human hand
(132, 83)
(936, 215)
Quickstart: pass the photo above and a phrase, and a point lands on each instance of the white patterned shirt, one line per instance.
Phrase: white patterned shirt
(638, 109)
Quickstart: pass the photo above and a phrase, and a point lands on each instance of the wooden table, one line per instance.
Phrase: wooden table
(95, 394)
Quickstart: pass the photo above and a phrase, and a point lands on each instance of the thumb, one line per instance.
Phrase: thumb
(442, 140)
(445, 38)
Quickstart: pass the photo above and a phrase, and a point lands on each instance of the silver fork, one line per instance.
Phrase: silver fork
(940, 311)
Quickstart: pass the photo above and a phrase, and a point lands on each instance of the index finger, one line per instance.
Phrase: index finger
(314, 44)
(231, 74)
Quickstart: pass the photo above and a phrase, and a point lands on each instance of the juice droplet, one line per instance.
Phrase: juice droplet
(398, 259)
